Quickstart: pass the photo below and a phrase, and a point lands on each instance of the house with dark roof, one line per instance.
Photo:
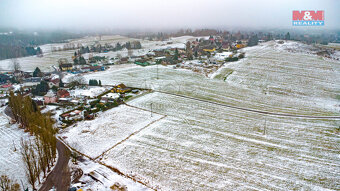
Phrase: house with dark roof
(4, 78)
(121, 88)
(97, 68)
(66, 67)
(33, 79)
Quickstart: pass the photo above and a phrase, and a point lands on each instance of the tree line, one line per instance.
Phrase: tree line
(93, 82)
(108, 47)
(18, 43)
(39, 154)
(16, 51)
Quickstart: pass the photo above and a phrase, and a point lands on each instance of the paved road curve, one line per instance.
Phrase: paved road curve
(60, 177)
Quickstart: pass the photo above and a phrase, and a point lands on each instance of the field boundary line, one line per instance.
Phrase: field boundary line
(115, 170)
(128, 137)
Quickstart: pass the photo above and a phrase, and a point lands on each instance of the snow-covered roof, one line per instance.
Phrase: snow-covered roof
(50, 94)
(54, 76)
(111, 95)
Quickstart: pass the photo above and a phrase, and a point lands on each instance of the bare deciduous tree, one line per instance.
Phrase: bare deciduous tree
(15, 65)
(76, 80)
(62, 61)
(130, 52)
(119, 56)
(7, 184)
(29, 162)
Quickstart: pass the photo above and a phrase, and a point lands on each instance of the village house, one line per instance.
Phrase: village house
(62, 93)
(159, 53)
(238, 46)
(50, 97)
(85, 69)
(64, 100)
(109, 97)
(54, 82)
(32, 79)
(38, 100)
(124, 60)
(76, 114)
(66, 67)
(212, 60)
(6, 88)
(75, 102)
(97, 68)
(121, 88)
(209, 49)
(4, 78)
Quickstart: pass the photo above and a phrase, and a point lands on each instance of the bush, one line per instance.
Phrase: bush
(231, 59)
(93, 82)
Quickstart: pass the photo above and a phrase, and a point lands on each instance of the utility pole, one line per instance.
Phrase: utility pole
(145, 84)
(157, 70)
(265, 118)
(265, 126)
(151, 109)
(15, 149)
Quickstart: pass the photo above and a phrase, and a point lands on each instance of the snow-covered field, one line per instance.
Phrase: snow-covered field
(105, 176)
(11, 163)
(50, 59)
(97, 136)
(202, 146)
(269, 79)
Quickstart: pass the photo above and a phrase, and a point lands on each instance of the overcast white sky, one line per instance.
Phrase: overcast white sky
(159, 14)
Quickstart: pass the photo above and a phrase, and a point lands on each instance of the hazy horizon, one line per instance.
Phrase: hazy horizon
(160, 15)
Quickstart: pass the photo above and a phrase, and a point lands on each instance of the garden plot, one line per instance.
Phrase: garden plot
(202, 146)
(92, 138)
(11, 163)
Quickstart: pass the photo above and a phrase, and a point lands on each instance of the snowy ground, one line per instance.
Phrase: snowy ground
(268, 78)
(208, 147)
(11, 163)
(204, 146)
(106, 177)
(50, 59)
(201, 146)
(91, 91)
(108, 129)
